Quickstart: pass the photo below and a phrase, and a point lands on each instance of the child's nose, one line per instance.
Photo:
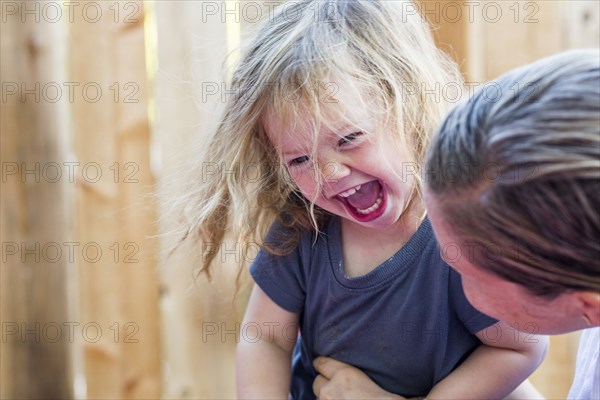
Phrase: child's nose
(334, 170)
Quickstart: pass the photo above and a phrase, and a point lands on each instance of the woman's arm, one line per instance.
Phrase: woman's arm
(496, 368)
(264, 352)
(342, 381)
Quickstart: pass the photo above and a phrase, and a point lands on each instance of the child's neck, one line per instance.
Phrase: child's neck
(364, 249)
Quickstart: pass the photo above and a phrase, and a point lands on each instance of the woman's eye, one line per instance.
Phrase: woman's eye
(349, 138)
(298, 161)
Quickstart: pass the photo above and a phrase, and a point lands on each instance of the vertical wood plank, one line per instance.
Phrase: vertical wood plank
(488, 38)
(137, 216)
(119, 283)
(581, 24)
(519, 32)
(200, 318)
(454, 26)
(35, 213)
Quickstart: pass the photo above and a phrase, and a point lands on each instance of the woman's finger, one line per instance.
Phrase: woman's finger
(318, 384)
(328, 367)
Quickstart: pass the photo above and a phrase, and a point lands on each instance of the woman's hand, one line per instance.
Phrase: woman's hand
(342, 381)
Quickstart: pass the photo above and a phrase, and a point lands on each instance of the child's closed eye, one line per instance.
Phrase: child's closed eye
(349, 138)
(298, 161)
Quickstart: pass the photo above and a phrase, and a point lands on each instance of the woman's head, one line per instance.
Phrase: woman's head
(337, 68)
(513, 193)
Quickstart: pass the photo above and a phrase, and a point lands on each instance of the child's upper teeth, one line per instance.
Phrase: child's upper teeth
(350, 191)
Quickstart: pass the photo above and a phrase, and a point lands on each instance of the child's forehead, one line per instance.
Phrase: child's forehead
(343, 107)
(305, 128)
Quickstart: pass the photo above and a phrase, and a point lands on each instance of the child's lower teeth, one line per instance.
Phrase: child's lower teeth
(369, 210)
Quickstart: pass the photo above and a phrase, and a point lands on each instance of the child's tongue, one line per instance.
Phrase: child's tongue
(366, 196)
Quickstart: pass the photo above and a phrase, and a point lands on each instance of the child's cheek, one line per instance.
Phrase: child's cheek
(307, 185)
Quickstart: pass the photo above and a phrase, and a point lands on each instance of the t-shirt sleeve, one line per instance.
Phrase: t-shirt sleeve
(281, 277)
(473, 319)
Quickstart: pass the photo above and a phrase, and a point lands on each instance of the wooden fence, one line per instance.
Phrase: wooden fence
(102, 104)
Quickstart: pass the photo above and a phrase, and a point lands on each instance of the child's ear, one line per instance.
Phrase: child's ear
(589, 306)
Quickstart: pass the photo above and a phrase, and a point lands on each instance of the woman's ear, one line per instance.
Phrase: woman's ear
(589, 307)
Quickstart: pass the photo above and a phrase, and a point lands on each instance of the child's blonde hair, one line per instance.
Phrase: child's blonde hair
(382, 47)
(517, 174)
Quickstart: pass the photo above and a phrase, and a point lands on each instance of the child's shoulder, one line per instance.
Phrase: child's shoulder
(287, 233)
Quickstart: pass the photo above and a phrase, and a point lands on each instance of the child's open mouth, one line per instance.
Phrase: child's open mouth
(365, 202)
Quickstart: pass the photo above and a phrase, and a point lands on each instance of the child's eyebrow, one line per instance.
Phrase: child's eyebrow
(293, 152)
(340, 131)
(327, 134)
(344, 128)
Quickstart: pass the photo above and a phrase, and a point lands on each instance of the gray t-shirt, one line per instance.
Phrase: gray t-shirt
(407, 324)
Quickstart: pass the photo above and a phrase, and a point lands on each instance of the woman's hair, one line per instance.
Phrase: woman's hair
(516, 172)
(292, 69)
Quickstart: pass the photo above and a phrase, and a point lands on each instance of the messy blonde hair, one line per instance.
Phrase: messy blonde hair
(384, 47)
(517, 174)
